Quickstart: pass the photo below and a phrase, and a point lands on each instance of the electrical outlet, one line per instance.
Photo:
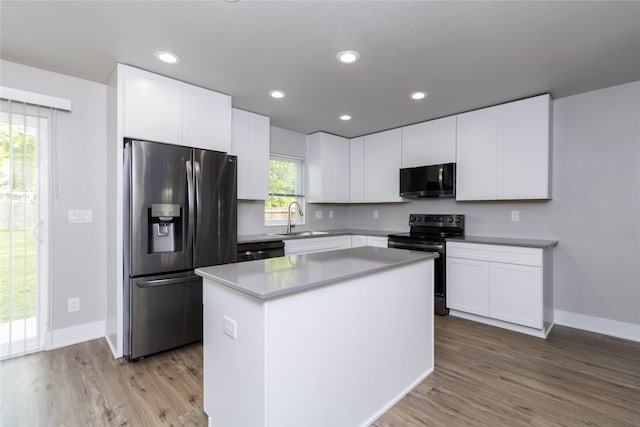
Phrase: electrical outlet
(330, 213)
(515, 216)
(230, 327)
(318, 214)
(375, 214)
(73, 304)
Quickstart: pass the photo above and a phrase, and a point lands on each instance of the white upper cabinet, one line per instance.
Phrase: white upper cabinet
(328, 168)
(356, 166)
(250, 142)
(429, 143)
(382, 161)
(503, 151)
(477, 158)
(206, 118)
(523, 149)
(152, 106)
(158, 108)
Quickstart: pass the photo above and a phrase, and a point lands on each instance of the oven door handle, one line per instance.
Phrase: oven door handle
(418, 246)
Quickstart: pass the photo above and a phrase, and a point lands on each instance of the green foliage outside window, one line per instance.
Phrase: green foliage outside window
(285, 186)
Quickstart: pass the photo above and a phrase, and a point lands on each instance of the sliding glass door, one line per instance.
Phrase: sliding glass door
(24, 201)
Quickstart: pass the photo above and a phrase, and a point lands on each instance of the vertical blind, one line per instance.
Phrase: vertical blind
(26, 135)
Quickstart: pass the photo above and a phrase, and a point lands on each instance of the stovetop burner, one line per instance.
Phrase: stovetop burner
(432, 227)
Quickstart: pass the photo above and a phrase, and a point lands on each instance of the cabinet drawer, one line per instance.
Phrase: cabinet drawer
(496, 253)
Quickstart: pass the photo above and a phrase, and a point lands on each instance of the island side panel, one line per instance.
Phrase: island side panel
(233, 377)
(345, 353)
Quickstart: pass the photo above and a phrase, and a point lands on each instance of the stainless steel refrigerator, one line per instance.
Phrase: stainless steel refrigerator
(180, 213)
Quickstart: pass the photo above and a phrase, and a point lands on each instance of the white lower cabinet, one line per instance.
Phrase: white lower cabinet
(468, 285)
(332, 243)
(503, 283)
(316, 244)
(358, 241)
(377, 242)
(515, 294)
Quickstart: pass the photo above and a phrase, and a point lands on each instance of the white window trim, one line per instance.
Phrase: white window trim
(35, 98)
(301, 185)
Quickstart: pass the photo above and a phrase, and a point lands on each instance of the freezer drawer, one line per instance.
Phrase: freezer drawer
(165, 312)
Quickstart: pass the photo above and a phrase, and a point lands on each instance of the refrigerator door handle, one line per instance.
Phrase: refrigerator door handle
(164, 282)
(191, 203)
(198, 188)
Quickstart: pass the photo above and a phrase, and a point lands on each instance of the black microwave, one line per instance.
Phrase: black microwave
(428, 181)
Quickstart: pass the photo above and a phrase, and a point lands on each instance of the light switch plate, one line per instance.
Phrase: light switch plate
(515, 216)
(76, 216)
(375, 214)
(330, 213)
(318, 214)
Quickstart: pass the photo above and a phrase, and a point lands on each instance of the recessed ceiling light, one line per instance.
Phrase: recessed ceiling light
(345, 117)
(417, 96)
(168, 57)
(348, 56)
(277, 94)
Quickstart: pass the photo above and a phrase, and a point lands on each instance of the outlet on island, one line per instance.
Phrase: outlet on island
(230, 327)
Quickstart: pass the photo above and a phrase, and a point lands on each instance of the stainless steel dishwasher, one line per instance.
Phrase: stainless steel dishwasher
(260, 250)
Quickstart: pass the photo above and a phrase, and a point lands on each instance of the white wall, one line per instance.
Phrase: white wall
(78, 250)
(595, 211)
(251, 213)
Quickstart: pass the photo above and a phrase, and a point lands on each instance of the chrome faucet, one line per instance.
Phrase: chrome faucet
(289, 214)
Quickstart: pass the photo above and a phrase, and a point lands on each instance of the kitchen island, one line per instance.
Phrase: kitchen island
(322, 339)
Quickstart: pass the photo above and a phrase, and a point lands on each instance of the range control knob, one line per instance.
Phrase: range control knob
(440, 219)
(457, 220)
(412, 218)
(419, 219)
(450, 219)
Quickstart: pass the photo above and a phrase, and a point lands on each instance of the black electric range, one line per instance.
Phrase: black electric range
(428, 232)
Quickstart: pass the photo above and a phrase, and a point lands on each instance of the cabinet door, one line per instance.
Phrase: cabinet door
(523, 149)
(468, 285)
(316, 244)
(206, 119)
(378, 242)
(429, 143)
(328, 168)
(356, 169)
(382, 161)
(515, 294)
(477, 155)
(250, 142)
(152, 107)
(358, 241)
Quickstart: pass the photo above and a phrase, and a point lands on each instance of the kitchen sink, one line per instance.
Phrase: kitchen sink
(304, 233)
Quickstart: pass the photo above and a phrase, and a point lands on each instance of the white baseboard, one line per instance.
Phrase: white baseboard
(540, 333)
(76, 334)
(396, 399)
(614, 328)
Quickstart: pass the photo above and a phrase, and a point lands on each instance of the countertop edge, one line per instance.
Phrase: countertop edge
(506, 241)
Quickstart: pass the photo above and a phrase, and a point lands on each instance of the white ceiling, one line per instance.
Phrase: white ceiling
(466, 55)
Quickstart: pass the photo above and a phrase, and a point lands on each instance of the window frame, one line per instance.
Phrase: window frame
(300, 189)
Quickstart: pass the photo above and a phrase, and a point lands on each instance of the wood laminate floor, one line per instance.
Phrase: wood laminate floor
(484, 376)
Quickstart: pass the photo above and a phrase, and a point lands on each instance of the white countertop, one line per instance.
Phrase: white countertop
(275, 277)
